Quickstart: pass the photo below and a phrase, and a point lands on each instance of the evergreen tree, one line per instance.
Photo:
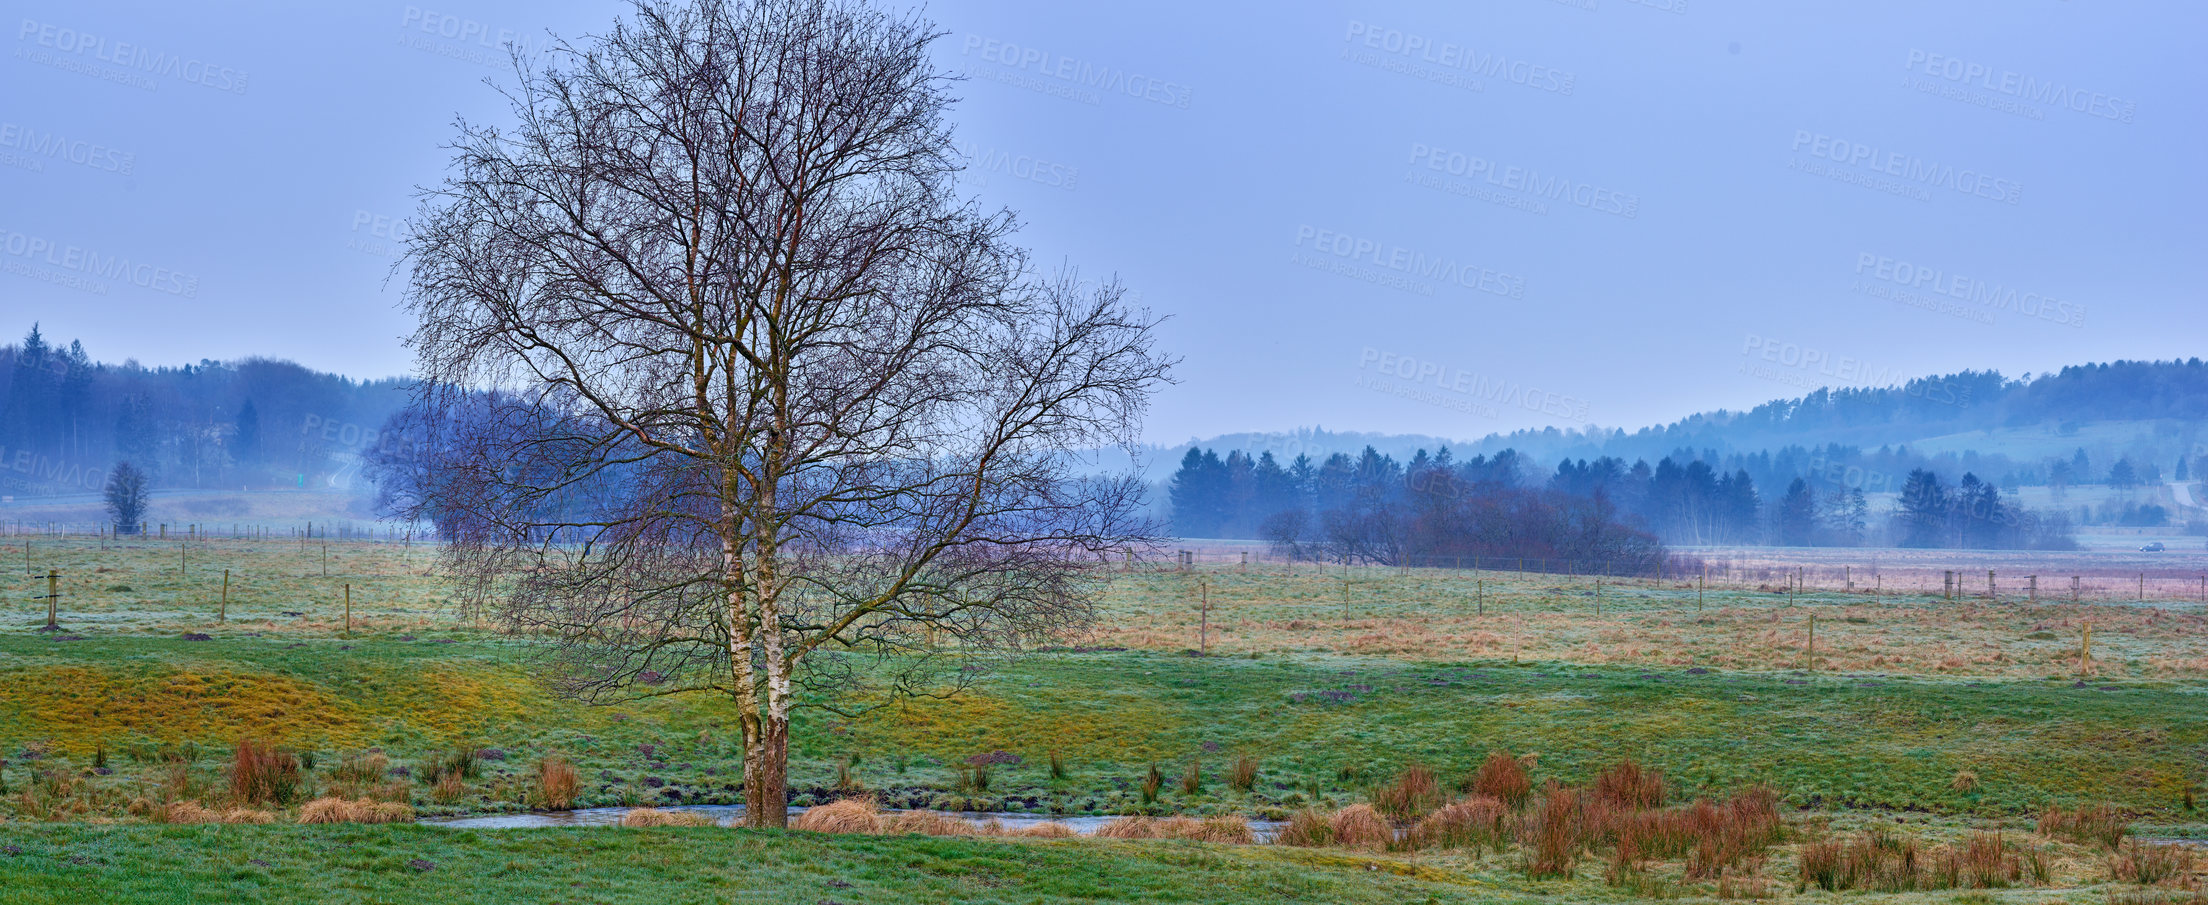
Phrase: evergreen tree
(2123, 476)
(1923, 513)
(1797, 516)
(246, 443)
(126, 497)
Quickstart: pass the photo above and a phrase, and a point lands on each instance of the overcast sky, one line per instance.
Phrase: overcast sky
(1443, 218)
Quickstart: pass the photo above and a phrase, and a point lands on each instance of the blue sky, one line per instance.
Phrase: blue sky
(1442, 218)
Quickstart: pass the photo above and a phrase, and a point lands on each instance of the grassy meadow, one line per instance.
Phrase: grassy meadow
(1930, 719)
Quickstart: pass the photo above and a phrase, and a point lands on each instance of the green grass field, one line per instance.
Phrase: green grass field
(1924, 713)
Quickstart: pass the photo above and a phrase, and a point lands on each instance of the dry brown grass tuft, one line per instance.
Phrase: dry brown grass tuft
(1242, 777)
(1049, 829)
(929, 823)
(1964, 781)
(362, 768)
(649, 817)
(1414, 792)
(189, 812)
(1503, 777)
(339, 810)
(1229, 830)
(260, 774)
(1306, 828)
(1552, 835)
(1360, 825)
(2149, 864)
(850, 815)
(449, 788)
(1879, 860)
(2086, 825)
(1984, 861)
(1476, 823)
(1626, 786)
(557, 784)
(1129, 828)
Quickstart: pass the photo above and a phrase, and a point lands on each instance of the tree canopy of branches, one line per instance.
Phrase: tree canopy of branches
(725, 391)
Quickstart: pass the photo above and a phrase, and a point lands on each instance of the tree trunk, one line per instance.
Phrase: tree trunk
(767, 771)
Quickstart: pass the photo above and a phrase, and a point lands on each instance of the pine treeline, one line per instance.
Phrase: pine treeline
(1371, 508)
(66, 420)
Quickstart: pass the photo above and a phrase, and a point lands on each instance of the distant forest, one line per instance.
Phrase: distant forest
(66, 419)
(1866, 429)
(1372, 508)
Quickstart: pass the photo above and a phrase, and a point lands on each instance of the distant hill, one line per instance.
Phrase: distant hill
(260, 424)
(2006, 430)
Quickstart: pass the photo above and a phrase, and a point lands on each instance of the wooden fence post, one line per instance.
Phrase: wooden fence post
(1203, 625)
(1811, 660)
(348, 610)
(53, 600)
(223, 614)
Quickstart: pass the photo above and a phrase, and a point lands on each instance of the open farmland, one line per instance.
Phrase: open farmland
(1909, 710)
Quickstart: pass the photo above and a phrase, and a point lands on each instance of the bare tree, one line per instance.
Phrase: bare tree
(727, 392)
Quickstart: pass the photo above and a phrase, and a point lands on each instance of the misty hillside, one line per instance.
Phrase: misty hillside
(1972, 420)
(66, 418)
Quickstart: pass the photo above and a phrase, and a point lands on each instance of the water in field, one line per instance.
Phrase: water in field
(731, 814)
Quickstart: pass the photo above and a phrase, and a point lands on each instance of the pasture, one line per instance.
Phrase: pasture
(1220, 690)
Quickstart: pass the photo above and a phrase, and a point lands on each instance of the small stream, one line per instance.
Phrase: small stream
(731, 814)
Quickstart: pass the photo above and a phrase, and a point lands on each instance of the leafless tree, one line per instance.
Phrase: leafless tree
(728, 392)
